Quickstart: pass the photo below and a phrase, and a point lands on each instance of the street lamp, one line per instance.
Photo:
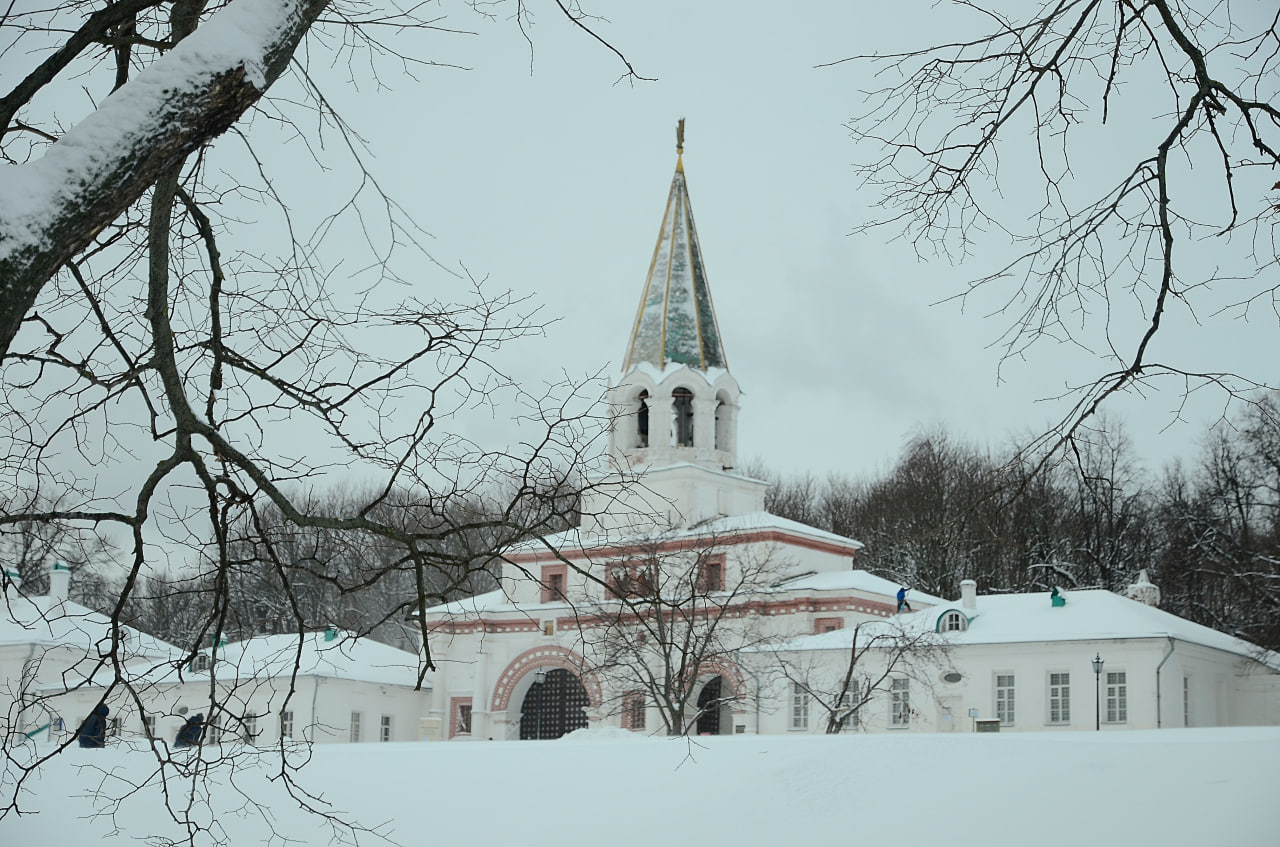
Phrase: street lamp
(539, 677)
(1097, 691)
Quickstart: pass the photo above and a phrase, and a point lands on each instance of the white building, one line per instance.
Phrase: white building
(525, 661)
(325, 687)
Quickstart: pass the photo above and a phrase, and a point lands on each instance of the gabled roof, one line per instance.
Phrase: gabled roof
(676, 322)
(336, 655)
(1089, 615)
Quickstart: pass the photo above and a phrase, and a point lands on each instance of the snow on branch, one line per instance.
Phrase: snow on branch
(54, 206)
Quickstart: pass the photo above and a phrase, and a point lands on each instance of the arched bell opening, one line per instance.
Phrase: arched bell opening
(682, 416)
(642, 420)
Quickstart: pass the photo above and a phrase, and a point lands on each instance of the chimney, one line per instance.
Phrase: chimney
(59, 581)
(969, 595)
(1143, 590)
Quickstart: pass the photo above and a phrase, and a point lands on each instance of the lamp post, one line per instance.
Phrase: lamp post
(1097, 691)
(539, 677)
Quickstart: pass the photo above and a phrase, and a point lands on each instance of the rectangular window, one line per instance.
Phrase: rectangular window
(633, 711)
(1117, 697)
(250, 725)
(900, 702)
(384, 730)
(286, 725)
(554, 580)
(355, 727)
(799, 706)
(213, 732)
(711, 574)
(1004, 699)
(849, 704)
(149, 726)
(460, 716)
(1186, 701)
(113, 727)
(1059, 698)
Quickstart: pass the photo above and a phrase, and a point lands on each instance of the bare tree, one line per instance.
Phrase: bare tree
(879, 653)
(676, 613)
(182, 391)
(1136, 130)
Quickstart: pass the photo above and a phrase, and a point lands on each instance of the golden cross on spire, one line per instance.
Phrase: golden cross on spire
(680, 146)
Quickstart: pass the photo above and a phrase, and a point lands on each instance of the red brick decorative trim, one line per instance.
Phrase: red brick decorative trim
(675, 545)
(821, 625)
(549, 656)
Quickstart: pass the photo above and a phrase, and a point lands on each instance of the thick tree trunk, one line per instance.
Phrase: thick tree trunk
(169, 112)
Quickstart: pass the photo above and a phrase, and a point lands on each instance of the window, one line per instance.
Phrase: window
(201, 663)
(553, 583)
(355, 727)
(1059, 698)
(821, 625)
(682, 408)
(954, 622)
(1004, 698)
(114, 727)
(384, 730)
(464, 719)
(642, 420)
(460, 716)
(1117, 697)
(849, 702)
(213, 732)
(286, 725)
(633, 711)
(900, 702)
(149, 726)
(1186, 701)
(633, 579)
(711, 574)
(250, 727)
(799, 706)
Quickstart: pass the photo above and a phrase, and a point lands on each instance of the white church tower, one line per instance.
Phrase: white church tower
(675, 406)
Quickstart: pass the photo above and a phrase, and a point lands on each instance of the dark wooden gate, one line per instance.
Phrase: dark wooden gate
(553, 707)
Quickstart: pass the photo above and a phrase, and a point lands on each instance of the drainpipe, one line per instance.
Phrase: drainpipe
(1159, 720)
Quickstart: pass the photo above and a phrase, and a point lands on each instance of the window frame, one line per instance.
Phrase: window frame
(354, 727)
(1115, 694)
(555, 583)
(1004, 698)
(286, 724)
(386, 727)
(1061, 697)
(900, 702)
(800, 697)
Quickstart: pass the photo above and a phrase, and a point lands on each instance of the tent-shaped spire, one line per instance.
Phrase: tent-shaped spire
(676, 323)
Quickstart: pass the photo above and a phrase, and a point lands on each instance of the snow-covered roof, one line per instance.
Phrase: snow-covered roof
(50, 622)
(723, 527)
(1019, 618)
(340, 656)
(854, 580)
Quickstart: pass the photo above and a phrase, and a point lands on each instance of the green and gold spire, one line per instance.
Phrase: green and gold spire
(676, 322)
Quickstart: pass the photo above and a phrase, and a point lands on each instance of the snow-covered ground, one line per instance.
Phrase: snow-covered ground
(1162, 788)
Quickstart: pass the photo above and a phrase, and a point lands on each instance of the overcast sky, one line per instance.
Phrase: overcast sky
(536, 169)
(553, 182)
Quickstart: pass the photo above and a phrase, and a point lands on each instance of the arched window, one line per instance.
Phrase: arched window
(682, 407)
(953, 622)
(642, 421)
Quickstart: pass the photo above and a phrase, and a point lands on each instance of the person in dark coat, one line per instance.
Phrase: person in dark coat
(902, 600)
(189, 735)
(93, 732)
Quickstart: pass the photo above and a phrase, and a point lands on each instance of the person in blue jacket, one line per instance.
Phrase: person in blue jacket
(93, 732)
(189, 735)
(902, 600)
